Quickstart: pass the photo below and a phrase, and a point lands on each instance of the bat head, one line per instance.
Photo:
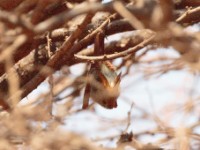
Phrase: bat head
(108, 92)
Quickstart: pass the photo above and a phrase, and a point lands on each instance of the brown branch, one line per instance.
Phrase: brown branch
(60, 34)
(28, 67)
(186, 3)
(9, 4)
(63, 55)
(120, 25)
(53, 63)
(66, 60)
(118, 46)
(15, 20)
(26, 70)
(117, 55)
(61, 18)
(143, 14)
(122, 10)
(26, 6)
(7, 56)
(45, 9)
(191, 16)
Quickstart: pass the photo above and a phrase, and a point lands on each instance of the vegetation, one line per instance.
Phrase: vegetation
(42, 40)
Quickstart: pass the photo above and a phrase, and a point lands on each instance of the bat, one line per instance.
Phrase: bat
(104, 88)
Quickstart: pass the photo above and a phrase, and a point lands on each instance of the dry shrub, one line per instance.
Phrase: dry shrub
(40, 37)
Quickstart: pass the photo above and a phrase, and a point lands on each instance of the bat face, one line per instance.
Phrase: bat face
(107, 91)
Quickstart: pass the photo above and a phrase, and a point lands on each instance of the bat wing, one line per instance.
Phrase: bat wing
(86, 96)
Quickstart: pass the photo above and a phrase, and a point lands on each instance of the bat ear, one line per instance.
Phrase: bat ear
(118, 78)
(104, 80)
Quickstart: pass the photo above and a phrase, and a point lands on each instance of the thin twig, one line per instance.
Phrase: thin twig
(191, 16)
(117, 55)
(122, 10)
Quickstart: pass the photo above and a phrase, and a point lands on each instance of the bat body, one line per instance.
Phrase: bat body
(104, 86)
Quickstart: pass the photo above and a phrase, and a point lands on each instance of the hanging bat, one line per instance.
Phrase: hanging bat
(104, 86)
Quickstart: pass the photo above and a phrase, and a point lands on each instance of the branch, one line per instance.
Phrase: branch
(60, 34)
(28, 67)
(16, 20)
(61, 18)
(117, 55)
(181, 4)
(117, 46)
(64, 54)
(9, 4)
(191, 16)
(32, 84)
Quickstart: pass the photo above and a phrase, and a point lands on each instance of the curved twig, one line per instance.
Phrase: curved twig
(117, 55)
